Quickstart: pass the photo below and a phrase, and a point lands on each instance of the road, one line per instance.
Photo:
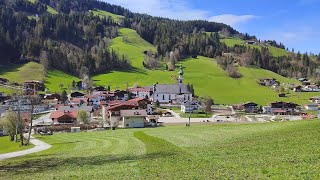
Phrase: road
(39, 146)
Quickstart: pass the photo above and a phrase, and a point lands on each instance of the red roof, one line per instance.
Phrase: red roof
(58, 114)
(125, 104)
(77, 100)
(136, 100)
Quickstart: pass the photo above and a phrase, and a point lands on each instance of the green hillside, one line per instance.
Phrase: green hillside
(230, 42)
(49, 9)
(22, 73)
(204, 73)
(34, 71)
(102, 13)
(286, 150)
(55, 78)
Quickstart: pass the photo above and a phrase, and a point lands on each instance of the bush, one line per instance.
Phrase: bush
(233, 72)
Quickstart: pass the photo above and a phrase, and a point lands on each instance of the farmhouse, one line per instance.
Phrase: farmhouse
(77, 95)
(249, 107)
(141, 92)
(312, 107)
(315, 99)
(284, 108)
(132, 118)
(64, 118)
(188, 106)
(172, 93)
(269, 82)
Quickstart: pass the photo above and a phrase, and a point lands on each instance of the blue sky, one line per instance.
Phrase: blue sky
(292, 22)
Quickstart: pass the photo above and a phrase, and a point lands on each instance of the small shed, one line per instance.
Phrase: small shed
(75, 129)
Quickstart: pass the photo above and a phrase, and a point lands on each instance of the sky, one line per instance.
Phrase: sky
(296, 23)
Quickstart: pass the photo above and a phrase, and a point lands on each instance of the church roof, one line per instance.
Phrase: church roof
(171, 89)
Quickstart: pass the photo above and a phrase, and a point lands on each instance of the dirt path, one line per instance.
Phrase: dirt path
(39, 146)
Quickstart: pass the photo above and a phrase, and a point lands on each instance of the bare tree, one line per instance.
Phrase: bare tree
(233, 71)
(34, 100)
(207, 102)
(44, 61)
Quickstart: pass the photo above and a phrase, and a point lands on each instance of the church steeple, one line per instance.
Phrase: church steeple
(180, 79)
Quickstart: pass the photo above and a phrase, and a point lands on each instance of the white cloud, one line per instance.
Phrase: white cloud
(174, 9)
(232, 19)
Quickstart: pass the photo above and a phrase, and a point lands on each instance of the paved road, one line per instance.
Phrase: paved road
(39, 146)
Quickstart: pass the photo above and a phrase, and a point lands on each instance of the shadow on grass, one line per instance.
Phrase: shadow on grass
(41, 163)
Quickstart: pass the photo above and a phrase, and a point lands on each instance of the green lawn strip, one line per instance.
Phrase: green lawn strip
(7, 146)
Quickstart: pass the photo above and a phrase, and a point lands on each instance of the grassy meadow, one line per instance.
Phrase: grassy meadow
(229, 151)
(230, 42)
(9, 146)
(102, 13)
(22, 73)
(55, 78)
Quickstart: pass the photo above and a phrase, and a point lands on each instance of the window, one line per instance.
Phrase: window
(169, 96)
(163, 97)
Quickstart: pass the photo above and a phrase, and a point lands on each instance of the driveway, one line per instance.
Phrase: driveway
(39, 146)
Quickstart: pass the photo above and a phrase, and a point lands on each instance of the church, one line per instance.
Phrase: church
(172, 93)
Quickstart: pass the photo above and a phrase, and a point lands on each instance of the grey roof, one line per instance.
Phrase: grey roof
(171, 89)
(76, 108)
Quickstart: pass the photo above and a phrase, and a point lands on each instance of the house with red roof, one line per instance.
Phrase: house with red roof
(64, 118)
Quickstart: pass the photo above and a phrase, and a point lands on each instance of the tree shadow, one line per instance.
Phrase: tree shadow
(45, 162)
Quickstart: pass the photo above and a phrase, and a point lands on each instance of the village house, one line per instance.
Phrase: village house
(172, 93)
(311, 107)
(111, 114)
(34, 85)
(143, 104)
(51, 99)
(311, 88)
(249, 107)
(141, 92)
(282, 108)
(188, 107)
(315, 99)
(77, 95)
(298, 89)
(132, 118)
(269, 82)
(63, 118)
(304, 81)
(251, 42)
(3, 80)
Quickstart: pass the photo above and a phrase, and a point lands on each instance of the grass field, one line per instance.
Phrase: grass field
(102, 13)
(22, 73)
(55, 77)
(286, 150)
(9, 146)
(49, 9)
(230, 42)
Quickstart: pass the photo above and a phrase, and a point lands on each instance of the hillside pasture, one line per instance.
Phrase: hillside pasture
(212, 151)
(102, 13)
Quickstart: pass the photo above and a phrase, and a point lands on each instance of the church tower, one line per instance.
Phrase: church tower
(180, 79)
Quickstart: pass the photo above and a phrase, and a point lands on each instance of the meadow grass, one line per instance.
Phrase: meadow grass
(102, 13)
(7, 146)
(284, 150)
(22, 73)
(277, 52)
(55, 78)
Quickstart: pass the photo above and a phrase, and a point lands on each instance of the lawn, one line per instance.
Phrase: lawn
(9, 146)
(22, 73)
(196, 115)
(102, 13)
(55, 78)
(285, 150)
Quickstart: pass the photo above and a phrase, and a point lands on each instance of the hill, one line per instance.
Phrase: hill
(277, 52)
(102, 13)
(207, 77)
(211, 151)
